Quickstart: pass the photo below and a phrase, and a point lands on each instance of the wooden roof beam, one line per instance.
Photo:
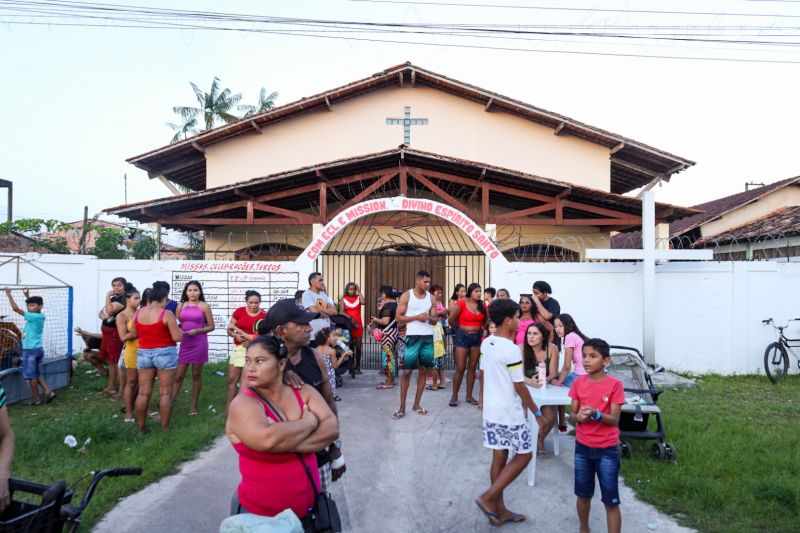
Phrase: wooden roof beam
(413, 78)
(255, 126)
(189, 221)
(197, 147)
(324, 179)
(559, 128)
(441, 193)
(488, 104)
(328, 104)
(636, 168)
(617, 148)
(168, 184)
(400, 74)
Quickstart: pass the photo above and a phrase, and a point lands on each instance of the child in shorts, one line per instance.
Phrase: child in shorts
(505, 429)
(32, 350)
(596, 403)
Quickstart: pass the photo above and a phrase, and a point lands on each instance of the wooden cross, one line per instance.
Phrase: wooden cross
(407, 122)
(649, 255)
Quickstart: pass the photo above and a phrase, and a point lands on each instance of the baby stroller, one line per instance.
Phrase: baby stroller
(345, 323)
(641, 402)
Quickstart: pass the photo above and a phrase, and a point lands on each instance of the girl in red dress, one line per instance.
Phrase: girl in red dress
(352, 304)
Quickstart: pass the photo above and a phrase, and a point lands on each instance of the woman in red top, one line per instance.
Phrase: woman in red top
(269, 424)
(351, 304)
(157, 331)
(241, 328)
(470, 315)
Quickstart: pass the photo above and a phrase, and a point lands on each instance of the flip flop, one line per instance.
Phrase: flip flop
(421, 411)
(397, 415)
(493, 518)
(193, 412)
(515, 517)
(472, 401)
(452, 403)
(129, 420)
(431, 387)
(384, 386)
(50, 397)
(542, 454)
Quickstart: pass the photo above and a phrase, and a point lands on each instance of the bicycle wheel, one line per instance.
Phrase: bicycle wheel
(776, 362)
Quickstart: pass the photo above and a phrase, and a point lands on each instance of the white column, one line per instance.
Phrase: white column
(649, 272)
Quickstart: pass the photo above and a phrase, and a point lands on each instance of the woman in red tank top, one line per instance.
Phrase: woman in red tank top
(471, 317)
(351, 304)
(158, 332)
(269, 424)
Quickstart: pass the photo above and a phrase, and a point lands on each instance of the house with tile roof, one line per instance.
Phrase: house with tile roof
(759, 223)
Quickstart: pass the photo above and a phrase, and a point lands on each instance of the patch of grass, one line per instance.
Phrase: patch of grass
(85, 412)
(738, 466)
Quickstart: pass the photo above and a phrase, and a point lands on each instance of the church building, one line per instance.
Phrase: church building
(542, 186)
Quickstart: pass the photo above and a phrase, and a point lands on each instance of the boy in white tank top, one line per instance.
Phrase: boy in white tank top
(416, 309)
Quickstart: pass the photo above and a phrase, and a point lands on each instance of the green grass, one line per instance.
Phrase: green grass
(81, 410)
(738, 466)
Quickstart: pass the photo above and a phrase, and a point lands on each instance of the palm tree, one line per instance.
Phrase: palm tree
(215, 105)
(265, 103)
(183, 130)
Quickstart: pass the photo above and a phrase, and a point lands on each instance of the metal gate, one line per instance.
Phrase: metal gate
(397, 267)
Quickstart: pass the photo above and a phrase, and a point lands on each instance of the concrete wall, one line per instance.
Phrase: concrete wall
(456, 127)
(708, 319)
(709, 314)
(786, 197)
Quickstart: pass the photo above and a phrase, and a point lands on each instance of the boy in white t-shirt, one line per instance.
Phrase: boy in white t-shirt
(504, 424)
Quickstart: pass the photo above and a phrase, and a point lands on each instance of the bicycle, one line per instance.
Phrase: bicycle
(776, 360)
(55, 513)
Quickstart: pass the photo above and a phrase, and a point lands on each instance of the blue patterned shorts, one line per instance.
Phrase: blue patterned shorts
(502, 437)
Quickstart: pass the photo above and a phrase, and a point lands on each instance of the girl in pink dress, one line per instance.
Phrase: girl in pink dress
(525, 317)
(196, 321)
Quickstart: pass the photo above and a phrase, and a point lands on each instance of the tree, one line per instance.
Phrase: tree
(265, 103)
(35, 229)
(185, 129)
(215, 105)
(109, 243)
(145, 247)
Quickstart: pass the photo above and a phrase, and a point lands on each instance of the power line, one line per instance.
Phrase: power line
(133, 17)
(582, 9)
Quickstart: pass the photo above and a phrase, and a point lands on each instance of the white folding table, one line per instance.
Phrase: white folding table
(550, 395)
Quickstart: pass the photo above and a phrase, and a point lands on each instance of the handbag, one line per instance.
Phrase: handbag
(324, 516)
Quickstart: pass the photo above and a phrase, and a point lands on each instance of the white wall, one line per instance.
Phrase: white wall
(91, 279)
(709, 313)
(708, 319)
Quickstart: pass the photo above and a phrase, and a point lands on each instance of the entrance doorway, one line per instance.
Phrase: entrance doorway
(397, 266)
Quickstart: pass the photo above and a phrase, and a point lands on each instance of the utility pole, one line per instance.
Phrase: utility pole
(82, 244)
(125, 177)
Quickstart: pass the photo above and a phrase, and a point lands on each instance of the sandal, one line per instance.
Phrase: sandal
(421, 411)
(493, 518)
(193, 412)
(473, 401)
(50, 397)
(398, 415)
(337, 398)
(515, 517)
(431, 387)
(542, 454)
(384, 386)
(453, 403)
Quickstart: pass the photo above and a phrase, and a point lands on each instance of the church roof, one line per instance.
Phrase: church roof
(633, 164)
(348, 178)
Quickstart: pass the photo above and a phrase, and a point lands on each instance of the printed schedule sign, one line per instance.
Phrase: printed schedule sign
(224, 290)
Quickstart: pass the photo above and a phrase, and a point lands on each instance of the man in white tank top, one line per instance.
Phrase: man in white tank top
(417, 310)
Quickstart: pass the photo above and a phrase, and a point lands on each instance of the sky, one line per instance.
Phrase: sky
(79, 101)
